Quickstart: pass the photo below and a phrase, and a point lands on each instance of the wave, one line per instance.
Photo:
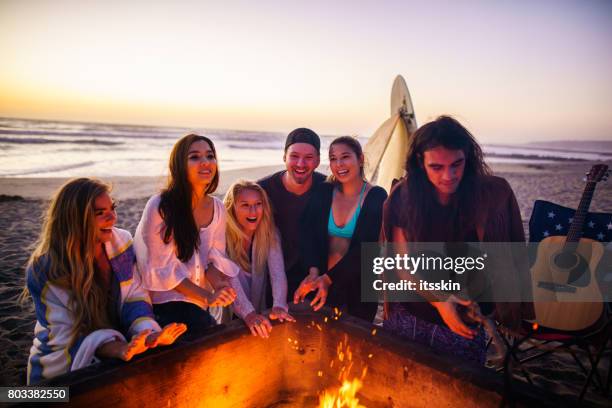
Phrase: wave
(51, 169)
(30, 140)
(535, 146)
(25, 128)
(531, 157)
(260, 146)
(78, 133)
(69, 126)
(145, 134)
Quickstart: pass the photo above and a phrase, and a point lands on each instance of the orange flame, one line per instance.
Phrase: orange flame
(345, 396)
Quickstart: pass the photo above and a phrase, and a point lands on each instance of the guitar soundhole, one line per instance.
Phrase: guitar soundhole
(566, 260)
(576, 265)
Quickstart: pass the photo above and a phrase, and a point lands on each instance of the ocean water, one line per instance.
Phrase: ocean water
(36, 148)
(42, 148)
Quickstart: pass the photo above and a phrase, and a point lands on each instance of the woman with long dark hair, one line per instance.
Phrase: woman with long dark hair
(448, 195)
(88, 300)
(180, 240)
(342, 213)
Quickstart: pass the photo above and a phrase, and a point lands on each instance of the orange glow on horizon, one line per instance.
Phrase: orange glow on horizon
(235, 66)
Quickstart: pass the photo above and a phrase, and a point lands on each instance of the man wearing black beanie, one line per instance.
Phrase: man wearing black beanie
(289, 191)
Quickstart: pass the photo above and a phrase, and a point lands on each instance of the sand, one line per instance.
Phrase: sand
(561, 183)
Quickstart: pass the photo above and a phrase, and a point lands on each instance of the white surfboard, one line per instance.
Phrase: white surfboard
(400, 97)
(386, 150)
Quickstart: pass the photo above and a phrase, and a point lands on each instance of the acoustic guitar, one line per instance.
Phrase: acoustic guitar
(565, 289)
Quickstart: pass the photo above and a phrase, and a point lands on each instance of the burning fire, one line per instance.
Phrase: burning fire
(346, 394)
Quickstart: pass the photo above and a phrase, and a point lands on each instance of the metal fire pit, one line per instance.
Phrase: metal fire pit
(228, 367)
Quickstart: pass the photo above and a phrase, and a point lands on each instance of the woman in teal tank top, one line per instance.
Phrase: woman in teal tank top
(347, 230)
(342, 213)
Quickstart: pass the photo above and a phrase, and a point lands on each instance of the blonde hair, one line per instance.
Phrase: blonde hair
(265, 233)
(68, 240)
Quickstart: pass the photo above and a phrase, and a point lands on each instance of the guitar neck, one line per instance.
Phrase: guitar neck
(575, 230)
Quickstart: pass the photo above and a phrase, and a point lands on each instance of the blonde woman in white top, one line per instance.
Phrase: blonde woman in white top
(254, 244)
(180, 240)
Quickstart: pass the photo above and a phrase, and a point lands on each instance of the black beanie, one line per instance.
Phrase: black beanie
(303, 135)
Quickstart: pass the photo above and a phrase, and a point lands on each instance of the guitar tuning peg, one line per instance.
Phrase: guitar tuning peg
(584, 179)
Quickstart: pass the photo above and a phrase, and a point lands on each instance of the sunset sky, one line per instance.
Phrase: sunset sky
(512, 71)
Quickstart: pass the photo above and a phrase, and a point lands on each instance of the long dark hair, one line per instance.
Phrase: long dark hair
(175, 204)
(420, 196)
(355, 146)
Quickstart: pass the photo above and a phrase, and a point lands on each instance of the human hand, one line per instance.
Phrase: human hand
(450, 316)
(280, 314)
(322, 285)
(306, 286)
(135, 346)
(222, 297)
(258, 324)
(167, 336)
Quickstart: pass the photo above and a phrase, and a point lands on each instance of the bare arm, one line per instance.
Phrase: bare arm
(222, 297)
(444, 304)
(192, 291)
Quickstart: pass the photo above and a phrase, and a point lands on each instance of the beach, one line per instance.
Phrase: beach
(20, 220)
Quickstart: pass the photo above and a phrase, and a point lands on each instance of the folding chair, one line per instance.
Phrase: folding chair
(592, 341)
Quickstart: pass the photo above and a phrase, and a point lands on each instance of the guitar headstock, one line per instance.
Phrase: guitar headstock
(598, 173)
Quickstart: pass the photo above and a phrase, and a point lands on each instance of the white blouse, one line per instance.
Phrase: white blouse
(160, 269)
